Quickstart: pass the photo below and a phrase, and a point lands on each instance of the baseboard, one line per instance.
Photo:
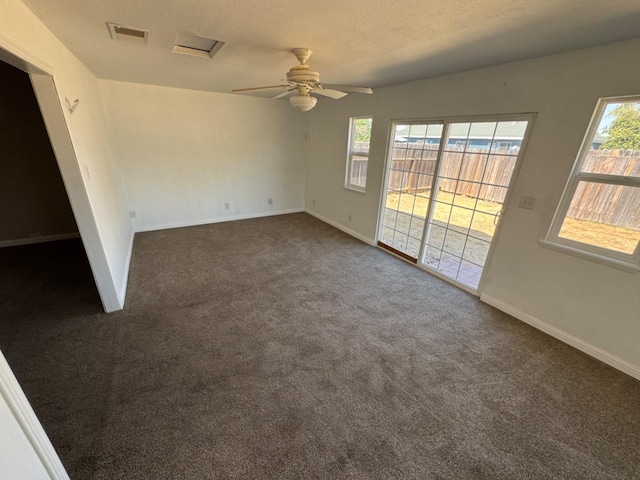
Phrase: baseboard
(564, 337)
(353, 233)
(122, 294)
(40, 239)
(206, 221)
(25, 417)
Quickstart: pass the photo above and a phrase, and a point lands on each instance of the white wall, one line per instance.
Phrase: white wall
(96, 194)
(183, 154)
(591, 305)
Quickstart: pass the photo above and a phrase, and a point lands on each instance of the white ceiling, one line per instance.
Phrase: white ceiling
(358, 42)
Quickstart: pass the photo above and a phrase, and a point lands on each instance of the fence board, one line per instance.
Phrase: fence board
(610, 204)
(485, 174)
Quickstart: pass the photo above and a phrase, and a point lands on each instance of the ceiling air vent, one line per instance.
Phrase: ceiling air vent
(128, 34)
(196, 46)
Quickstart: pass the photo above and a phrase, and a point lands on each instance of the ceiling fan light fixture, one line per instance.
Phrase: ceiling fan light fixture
(304, 103)
(306, 81)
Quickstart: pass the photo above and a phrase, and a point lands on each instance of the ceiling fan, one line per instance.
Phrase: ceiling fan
(303, 81)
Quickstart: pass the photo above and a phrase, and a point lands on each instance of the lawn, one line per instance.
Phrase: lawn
(458, 212)
(599, 234)
(455, 210)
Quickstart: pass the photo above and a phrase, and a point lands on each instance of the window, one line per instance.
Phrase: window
(358, 153)
(599, 214)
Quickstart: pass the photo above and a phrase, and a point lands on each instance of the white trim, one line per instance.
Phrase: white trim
(350, 153)
(446, 123)
(595, 352)
(64, 150)
(553, 240)
(44, 87)
(21, 55)
(431, 271)
(359, 190)
(452, 281)
(40, 239)
(206, 221)
(353, 233)
(23, 413)
(122, 294)
(585, 254)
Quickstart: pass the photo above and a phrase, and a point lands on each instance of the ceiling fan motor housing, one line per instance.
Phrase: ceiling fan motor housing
(302, 74)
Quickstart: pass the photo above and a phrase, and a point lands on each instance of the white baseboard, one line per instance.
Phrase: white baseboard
(206, 221)
(353, 233)
(25, 417)
(122, 294)
(40, 239)
(567, 338)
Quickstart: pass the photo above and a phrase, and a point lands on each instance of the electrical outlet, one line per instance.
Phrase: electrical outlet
(313, 201)
(349, 217)
(226, 206)
(527, 202)
(133, 214)
(270, 201)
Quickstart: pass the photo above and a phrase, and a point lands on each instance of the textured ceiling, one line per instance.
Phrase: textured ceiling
(359, 42)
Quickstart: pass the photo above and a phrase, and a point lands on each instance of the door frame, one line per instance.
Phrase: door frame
(11, 394)
(42, 79)
(446, 121)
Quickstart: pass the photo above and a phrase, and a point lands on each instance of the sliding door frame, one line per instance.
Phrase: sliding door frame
(530, 117)
(385, 180)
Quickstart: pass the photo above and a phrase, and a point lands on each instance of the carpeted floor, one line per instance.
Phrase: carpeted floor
(281, 348)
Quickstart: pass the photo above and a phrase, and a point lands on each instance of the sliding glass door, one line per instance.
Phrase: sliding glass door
(411, 169)
(446, 187)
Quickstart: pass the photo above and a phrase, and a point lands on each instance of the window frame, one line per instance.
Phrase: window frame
(553, 240)
(350, 154)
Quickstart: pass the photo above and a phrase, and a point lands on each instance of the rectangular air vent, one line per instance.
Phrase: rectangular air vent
(197, 46)
(129, 34)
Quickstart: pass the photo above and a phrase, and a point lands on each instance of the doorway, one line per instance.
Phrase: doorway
(446, 188)
(34, 205)
(26, 432)
(49, 102)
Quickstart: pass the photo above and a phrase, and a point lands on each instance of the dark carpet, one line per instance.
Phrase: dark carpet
(281, 348)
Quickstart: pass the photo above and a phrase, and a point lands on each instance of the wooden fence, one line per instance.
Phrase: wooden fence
(611, 204)
(485, 174)
(413, 168)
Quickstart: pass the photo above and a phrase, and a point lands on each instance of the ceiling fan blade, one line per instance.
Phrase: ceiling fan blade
(348, 88)
(328, 92)
(284, 94)
(255, 89)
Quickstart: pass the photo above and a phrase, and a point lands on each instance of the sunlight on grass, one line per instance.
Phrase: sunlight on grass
(601, 235)
(456, 210)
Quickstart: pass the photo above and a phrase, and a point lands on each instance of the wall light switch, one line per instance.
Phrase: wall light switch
(527, 202)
